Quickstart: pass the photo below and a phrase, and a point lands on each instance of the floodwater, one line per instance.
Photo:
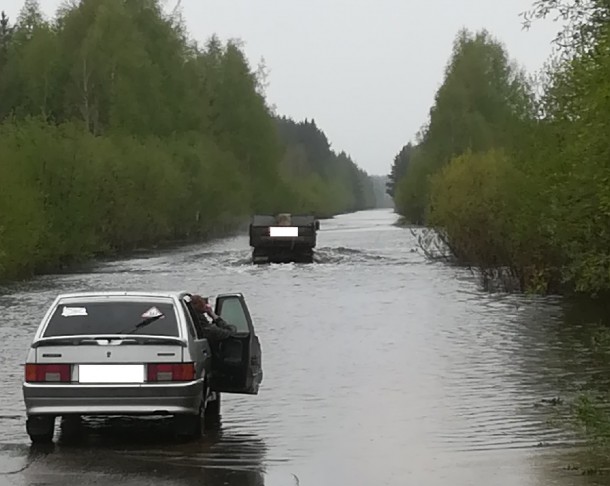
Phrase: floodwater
(381, 368)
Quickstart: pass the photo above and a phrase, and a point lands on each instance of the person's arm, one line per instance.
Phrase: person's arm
(219, 322)
(216, 333)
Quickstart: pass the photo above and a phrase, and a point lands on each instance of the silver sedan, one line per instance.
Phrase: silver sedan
(136, 353)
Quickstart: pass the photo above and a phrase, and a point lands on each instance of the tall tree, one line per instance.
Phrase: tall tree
(483, 101)
(399, 168)
(30, 17)
(5, 38)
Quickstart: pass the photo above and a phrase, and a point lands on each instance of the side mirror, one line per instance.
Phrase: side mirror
(317, 225)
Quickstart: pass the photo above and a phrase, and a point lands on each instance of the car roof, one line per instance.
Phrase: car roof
(123, 293)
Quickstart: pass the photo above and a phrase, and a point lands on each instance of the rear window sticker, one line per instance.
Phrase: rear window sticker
(73, 311)
(152, 312)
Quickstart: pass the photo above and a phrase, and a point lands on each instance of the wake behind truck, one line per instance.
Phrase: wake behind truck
(283, 238)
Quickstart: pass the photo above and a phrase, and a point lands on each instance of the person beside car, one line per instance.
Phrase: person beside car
(214, 328)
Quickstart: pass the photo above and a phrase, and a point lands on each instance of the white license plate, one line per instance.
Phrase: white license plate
(284, 232)
(111, 373)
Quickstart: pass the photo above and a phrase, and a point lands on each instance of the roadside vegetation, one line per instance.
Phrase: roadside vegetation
(512, 171)
(511, 176)
(118, 131)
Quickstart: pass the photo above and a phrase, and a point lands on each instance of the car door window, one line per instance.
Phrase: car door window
(232, 311)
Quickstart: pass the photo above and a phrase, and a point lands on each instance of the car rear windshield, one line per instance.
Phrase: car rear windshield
(101, 318)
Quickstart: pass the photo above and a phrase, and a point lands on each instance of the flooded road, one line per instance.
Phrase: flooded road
(380, 369)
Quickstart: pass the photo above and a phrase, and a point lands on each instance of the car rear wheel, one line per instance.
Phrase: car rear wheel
(40, 428)
(192, 426)
(259, 257)
(305, 257)
(212, 411)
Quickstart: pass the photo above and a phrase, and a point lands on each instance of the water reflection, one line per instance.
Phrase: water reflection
(563, 348)
(143, 451)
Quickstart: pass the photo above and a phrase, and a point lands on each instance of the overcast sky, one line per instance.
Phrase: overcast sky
(365, 70)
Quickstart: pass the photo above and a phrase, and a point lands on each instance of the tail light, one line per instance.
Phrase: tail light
(48, 373)
(171, 372)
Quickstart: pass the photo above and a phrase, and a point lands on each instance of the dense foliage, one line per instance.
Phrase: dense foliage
(516, 174)
(117, 131)
(329, 183)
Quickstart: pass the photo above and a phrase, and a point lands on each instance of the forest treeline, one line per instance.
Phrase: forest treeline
(118, 131)
(513, 170)
(328, 182)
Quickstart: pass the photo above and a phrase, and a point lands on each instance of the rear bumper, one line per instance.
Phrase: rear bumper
(147, 399)
(284, 243)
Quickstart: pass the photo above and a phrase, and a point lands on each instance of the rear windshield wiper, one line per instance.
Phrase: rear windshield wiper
(141, 324)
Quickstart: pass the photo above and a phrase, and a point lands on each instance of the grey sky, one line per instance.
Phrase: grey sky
(365, 70)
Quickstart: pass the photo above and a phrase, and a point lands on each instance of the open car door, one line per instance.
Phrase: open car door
(237, 364)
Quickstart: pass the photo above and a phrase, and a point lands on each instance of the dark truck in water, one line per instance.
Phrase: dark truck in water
(284, 238)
